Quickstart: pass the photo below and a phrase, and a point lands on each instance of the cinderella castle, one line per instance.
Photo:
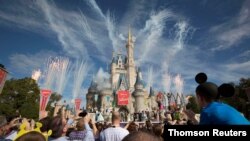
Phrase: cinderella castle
(124, 76)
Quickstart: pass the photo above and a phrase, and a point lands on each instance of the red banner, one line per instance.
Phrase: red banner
(159, 96)
(77, 103)
(3, 75)
(44, 98)
(123, 97)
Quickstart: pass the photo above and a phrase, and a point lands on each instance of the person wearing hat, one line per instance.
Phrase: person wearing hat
(5, 127)
(213, 111)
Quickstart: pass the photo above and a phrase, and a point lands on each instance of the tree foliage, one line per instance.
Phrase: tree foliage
(239, 100)
(22, 97)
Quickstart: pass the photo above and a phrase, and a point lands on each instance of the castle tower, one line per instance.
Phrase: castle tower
(130, 61)
(152, 99)
(139, 94)
(91, 103)
(113, 67)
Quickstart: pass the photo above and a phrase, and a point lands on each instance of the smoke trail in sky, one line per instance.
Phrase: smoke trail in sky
(80, 73)
(62, 74)
(109, 22)
(50, 73)
(166, 82)
(36, 75)
(150, 79)
(165, 77)
(181, 32)
(178, 82)
(86, 28)
(64, 28)
(102, 79)
(153, 31)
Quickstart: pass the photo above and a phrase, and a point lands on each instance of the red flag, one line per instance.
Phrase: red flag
(159, 96)
(3, 75)
(77, 103)
(44, 98)
(123, 97)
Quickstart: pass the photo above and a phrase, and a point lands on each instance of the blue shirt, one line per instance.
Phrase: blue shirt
(220, 113)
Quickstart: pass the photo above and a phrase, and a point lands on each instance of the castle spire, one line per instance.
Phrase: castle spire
(129, 35)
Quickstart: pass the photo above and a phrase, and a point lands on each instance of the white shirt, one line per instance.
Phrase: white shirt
(113, 134)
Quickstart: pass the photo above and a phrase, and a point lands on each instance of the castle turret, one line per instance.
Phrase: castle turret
(130, 61)
(91, 96)
(139, 94)
(112, 70)
(152, 99)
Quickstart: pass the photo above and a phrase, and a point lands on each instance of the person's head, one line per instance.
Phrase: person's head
(3, 123)
(32, 136)
(45, 122)
(206, 93)
(157, 130)
(116, 118)
(80, 125)
(58, 127)
(133, 127)
(142, 136)
(99, 127)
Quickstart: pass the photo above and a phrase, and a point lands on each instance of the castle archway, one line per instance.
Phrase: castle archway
(124, 112)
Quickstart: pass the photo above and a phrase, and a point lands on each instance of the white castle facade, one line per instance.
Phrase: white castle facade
(124, 75)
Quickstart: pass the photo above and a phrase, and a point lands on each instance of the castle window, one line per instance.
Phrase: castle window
(120, 66)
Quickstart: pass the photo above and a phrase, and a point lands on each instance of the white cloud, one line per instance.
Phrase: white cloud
(24, 16)
(66, 34)
(97, 36)
(240, 67)
(26, 63)
(109, 21)
(234, 31)
(245, 54)
(137, 11)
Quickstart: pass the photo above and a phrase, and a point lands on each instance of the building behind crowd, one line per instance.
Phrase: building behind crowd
(124, 77)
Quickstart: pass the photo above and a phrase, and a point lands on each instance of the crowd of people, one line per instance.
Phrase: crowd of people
(83, 128)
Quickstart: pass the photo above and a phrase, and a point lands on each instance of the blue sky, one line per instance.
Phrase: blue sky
(171, 37)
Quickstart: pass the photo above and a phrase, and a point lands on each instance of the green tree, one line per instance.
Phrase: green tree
(239, 100)
(20, 97)
(193, 105)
